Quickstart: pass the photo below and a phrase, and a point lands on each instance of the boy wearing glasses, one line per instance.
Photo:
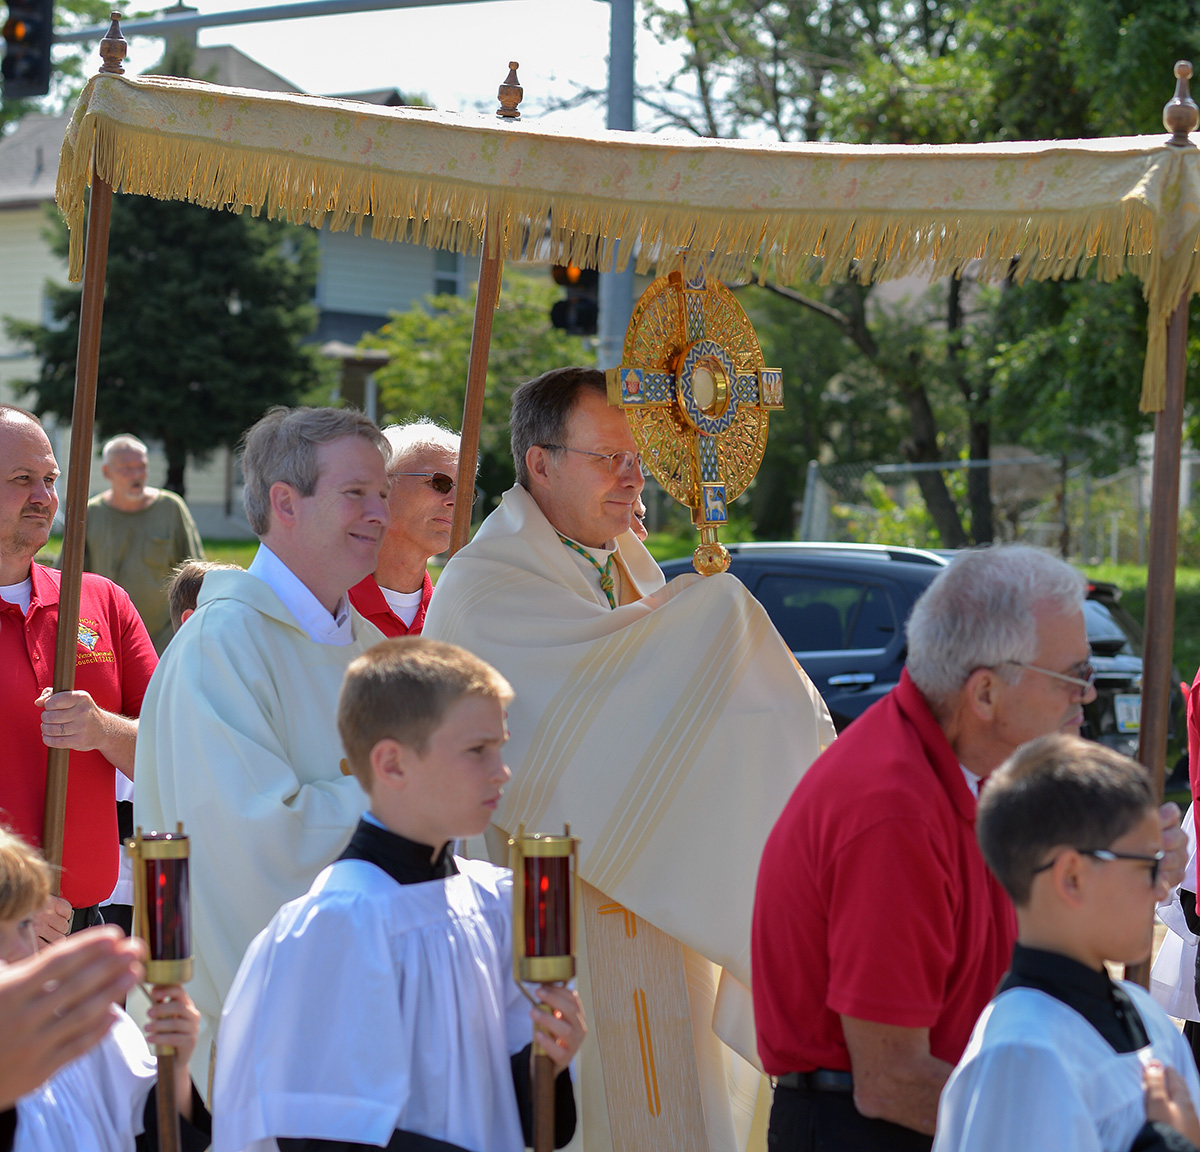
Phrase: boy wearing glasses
(422, 480)
(1064, 1057)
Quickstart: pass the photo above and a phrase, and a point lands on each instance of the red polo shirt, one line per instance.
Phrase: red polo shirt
(114, 661)
(873, 898)
(368, 601)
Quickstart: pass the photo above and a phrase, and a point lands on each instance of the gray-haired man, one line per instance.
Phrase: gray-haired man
(238, 738)
(879, 934)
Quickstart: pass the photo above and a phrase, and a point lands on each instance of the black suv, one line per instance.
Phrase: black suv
(842, 608)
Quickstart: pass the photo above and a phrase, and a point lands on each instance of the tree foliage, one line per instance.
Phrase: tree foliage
(1055, 367)
(203, 321)
(430, 344)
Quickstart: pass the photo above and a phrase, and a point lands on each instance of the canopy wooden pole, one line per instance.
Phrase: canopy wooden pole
(1180, 116)
(1164, 533)
(481, 340)
(83, 413)
(490, 266)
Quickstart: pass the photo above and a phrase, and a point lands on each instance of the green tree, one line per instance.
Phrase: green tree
(898, 71)
(203, 321)
(429, 347)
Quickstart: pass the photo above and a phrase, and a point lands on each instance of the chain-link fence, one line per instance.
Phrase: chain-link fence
(1039, 499)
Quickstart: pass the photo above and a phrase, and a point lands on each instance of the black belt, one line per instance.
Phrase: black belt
(821, 1080)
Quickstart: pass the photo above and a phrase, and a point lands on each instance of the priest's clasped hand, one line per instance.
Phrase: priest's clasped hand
(561, 1030)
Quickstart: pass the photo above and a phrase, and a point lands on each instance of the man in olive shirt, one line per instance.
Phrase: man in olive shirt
(137, 534)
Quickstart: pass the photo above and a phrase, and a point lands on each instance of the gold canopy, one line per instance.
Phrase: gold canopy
(1046, 210)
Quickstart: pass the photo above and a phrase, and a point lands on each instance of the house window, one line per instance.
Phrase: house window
(447, 273)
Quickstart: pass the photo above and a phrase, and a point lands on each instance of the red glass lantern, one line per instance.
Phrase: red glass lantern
(543, 906)
(163, 903)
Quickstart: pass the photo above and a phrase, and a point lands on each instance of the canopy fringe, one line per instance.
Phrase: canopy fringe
(441, 211)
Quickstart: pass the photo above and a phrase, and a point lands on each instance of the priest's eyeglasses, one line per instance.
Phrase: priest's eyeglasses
(1083, 676)
(1107, 855)
(618, 462)
(438, 481)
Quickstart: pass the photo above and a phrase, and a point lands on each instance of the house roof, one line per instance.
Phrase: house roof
(387, 97)
(224, 64)
(29, 160)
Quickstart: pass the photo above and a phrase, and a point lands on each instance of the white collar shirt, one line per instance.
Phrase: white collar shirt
(312, 616)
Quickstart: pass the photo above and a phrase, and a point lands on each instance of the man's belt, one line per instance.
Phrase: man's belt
(821, 1080)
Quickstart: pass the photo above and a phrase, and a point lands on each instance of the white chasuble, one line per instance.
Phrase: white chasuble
(670, 733)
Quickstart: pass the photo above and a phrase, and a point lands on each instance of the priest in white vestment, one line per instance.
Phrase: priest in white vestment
(238, 736)
(669, 726)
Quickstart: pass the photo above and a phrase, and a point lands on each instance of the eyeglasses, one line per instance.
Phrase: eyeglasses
(1085, 678)
(1106, 855)
(438, 481)
(618, 462)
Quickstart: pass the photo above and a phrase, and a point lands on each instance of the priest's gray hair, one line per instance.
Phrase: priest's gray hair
(978, 613)
(282, 448)
(418, 436)
(542, 406)
(122, 442)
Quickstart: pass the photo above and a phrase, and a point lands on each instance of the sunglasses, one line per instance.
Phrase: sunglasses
(438, 481)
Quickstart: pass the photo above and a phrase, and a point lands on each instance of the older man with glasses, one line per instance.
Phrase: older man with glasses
(879, 933)
(668, 725)
(423, 488)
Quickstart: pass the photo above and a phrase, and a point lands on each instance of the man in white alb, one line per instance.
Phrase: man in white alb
(238, 736)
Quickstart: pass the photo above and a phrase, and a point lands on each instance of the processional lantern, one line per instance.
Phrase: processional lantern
(543, 869)
(162, 916)
(698, 396)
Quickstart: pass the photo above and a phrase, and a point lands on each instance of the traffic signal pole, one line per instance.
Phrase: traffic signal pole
(616, 288)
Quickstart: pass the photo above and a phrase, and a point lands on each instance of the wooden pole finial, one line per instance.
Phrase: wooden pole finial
(113, 48)
(510, 94)
(1180, 114)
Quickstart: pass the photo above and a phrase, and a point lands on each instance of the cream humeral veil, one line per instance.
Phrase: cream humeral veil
(670, 732)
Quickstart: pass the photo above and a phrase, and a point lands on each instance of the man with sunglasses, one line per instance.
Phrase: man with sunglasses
(879, 934)
(422, 480)
(668, 725)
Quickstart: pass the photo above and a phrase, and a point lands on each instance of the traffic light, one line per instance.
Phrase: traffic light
(28, 33)
(578, 312)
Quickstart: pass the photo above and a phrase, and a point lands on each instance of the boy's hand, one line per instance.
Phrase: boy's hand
(173, 1019)
(1168, 1102)
(560, 1031)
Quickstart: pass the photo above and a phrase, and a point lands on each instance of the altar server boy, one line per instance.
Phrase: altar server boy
(1064, 1058)
(103, 1101)
(380, 1008)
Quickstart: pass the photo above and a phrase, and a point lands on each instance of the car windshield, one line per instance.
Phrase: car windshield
(1107, 633)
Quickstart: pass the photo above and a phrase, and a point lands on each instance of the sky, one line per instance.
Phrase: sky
(456, 54)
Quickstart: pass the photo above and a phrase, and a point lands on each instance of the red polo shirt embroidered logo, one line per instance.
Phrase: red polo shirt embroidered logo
(88, 637)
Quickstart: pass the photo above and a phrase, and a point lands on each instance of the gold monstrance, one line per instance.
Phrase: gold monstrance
(697, 395)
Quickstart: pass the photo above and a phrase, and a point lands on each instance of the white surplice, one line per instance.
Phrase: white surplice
(367, 1006)
(1038, 1077)
(95, 1103)
(1173, 976)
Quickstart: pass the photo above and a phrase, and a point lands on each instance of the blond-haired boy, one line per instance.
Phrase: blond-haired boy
(380, 1008)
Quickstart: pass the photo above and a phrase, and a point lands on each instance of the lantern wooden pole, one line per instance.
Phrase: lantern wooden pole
(83, 412)
(490, 265)
(1179, 117)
